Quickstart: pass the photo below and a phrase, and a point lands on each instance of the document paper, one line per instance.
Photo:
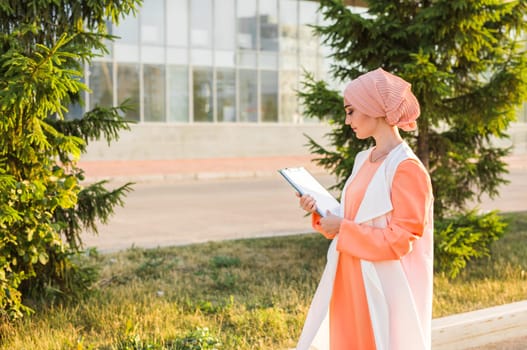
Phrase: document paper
(305, 183)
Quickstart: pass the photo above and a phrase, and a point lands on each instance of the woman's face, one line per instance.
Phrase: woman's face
(363, 125)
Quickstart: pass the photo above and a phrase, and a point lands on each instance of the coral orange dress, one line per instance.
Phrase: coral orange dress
(350, 324)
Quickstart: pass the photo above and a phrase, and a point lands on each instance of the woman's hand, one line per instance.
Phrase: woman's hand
(307, 203)
(330, 223)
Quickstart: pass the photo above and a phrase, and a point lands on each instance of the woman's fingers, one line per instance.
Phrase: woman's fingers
(307, 203)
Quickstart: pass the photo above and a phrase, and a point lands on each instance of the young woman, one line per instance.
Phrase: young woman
(376, 289)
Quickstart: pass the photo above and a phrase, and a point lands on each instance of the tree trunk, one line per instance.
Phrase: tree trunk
(423, 148)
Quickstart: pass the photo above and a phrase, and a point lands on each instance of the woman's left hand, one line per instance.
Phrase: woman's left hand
(330, 223)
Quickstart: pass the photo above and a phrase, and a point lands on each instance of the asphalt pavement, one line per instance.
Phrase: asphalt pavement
(177, 212)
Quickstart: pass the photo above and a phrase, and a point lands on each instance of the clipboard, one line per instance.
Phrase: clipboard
(304, 183)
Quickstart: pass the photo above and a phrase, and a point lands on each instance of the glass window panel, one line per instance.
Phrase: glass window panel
(322, 70)
(177, 93)
(288, 25)
(152, 54)
(246, 19)
(325, 63)
(308, 12)
(201, 57)
(224, 24)
(288, 97)
(128, 88)
(324, 51)
(268, 60)
(269, 25)
(177, 24)
(308, 41)
(153, 22)
(226, 95)
(247, 59)
(269, 98)
(75, 111)
(247, 90)
(127, 30)
(107, 43)
(201, 23)
(101, 84)
(154, 93)
(289, 61)
(308, 63)
(224, 58)
(178, 56)
(109, 46)
(126, 53)
(202, 94)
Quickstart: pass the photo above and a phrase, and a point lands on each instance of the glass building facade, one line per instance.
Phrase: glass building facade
(211, 61)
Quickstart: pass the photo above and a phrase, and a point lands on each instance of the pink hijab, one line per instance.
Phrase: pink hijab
(382, 94)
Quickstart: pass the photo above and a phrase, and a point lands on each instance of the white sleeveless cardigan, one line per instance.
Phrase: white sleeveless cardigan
(399, 292)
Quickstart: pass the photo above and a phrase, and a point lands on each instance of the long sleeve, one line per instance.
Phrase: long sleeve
(411, 195)
(315, 222)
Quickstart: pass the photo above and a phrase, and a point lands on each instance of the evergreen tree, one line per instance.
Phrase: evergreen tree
(466, 61)
(44, 208)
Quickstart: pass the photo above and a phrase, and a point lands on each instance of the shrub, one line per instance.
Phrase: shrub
(462, 238)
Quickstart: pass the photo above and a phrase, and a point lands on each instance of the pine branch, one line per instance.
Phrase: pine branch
(95, 204)
(44, 45)
(105, 122)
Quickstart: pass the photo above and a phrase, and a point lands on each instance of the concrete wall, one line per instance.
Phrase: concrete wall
(165, 141)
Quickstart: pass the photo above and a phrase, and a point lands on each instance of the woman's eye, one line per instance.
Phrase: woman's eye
(349, 112)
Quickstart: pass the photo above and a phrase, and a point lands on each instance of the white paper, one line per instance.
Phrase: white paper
(305, 183)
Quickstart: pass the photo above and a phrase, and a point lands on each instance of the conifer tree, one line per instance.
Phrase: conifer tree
(43, 205)
(466, 61)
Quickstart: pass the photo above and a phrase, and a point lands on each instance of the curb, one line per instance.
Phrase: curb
(481, 327)
(198, 176)
(472, 329)
(213, 169)
(182, 177)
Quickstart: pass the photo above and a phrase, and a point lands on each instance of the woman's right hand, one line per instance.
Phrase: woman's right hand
(307, 203)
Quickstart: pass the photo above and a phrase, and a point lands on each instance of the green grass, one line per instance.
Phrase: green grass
(497, 280)
(246, 294)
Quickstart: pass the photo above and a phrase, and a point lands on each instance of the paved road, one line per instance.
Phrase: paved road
(181, 212)
(175, 213)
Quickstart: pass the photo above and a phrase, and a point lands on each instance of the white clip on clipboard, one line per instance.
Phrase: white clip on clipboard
(304, 183)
